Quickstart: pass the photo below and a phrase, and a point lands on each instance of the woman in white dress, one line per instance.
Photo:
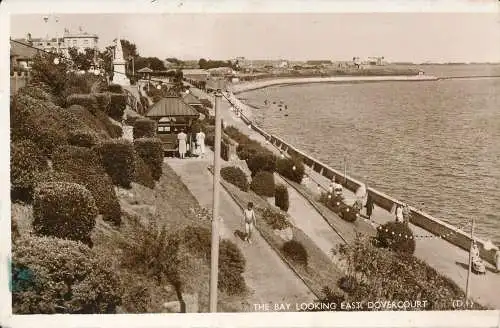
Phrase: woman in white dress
(200, 142)
(181, 139)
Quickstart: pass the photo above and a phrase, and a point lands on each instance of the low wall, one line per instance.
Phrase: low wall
(423, 220)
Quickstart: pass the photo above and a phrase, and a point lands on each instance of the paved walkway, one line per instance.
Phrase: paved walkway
(446, 258)
(271, 280)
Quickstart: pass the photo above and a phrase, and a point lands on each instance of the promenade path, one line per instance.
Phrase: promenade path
(269, 279)
(446, 258)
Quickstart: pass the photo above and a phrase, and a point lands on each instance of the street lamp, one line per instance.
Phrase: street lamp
(214, 255)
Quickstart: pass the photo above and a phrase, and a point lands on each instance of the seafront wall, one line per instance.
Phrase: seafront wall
(247, 86)
(421, 219)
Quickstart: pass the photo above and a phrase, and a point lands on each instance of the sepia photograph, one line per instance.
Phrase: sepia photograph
(250, 162)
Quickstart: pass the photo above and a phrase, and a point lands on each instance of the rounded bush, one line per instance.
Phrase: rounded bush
(83, 138)
(142, 173)
(261, 161)
(296, 252)
(117, 158)
(281, 198)
(263, 184)
(144, 128)
(231, 268)
(86, 100)
(103, 101)
(151, 151)
(26, 163)
(235, 176)
(82, 165)
(348, 213)
(198, 239)
(115, 88)
(64, 210)
(117, 105)
(291, 168)
(130, 120)
(37, 91)
(398, 237)
(51, 275)
(276, 220)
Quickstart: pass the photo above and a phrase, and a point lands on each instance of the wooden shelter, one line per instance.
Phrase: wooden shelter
(145, 72)
(172, 115)
(192, 101)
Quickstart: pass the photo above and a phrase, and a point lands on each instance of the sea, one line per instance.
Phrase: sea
(432, 144)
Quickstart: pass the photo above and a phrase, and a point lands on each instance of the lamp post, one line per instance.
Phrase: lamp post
(467, 287)
(133, 68)
(214, 255)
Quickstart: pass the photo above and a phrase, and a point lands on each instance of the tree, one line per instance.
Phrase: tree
(82, 60)
(105, 58)
(129, 49)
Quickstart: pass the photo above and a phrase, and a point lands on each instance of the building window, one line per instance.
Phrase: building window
(86, 42)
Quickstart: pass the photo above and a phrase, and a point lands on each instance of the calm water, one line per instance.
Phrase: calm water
(433, 144)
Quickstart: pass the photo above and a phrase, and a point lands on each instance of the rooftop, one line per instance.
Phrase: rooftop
(171, 106)
(191, 100)
(22, 50)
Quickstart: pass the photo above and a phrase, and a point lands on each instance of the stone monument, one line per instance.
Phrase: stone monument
(119, 76)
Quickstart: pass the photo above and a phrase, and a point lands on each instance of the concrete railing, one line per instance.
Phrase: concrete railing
(423, 220)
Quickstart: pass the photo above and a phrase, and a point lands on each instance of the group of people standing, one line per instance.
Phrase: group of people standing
(197, 144)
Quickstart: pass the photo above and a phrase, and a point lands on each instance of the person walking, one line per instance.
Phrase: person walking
(181, 139)
(370, 205)
(249, 221)
(200, 142)
(399, 213)
(406, 213)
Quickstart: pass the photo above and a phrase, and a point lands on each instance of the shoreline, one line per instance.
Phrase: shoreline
(260, 84)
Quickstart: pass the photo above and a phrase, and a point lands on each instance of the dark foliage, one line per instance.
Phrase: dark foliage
(263, 184)
(103, 101)
(117, 105)
(281, 198)
(151, 151)
(235, 176)
(86, 100)
(142, 173)
(398, 237)
(117, 158)
(83, 138)
(231, 268)
(265, 161)
(64, 210)
(291, 168)
(144, 128)
(275, 220)
(115, 88)
(296, 252)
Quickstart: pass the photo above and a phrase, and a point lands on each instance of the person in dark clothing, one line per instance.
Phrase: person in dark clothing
(370, 205)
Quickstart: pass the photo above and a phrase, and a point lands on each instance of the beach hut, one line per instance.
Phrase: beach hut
(172, 114)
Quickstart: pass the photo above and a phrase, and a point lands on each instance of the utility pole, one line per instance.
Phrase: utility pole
(214, 263)
(345, 170)
(467, 288)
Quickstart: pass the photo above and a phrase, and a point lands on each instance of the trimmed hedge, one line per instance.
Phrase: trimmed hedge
(83, 138)
(26, 164)
(348, 213)
(86, 100)
(296, 252)
(398, 237)
(231, 268)
(64, 210)
(263, 184)
(142, 173)
(82, 165)
(89, 119)
(117, 105)
(235, 176)
(113, 130)
(115, 88)
(144, 128)
(291, 168)
(117, 158)
(151, 151)
(38, 91)
(103, 101)
(265, 161)
(276, 220)
(52, 275)
(281, 198)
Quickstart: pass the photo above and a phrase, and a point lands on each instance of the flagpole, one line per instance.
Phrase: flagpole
(214, 262)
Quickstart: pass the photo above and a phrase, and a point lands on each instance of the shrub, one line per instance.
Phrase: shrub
(86, 100)
(142, 173)
(348, 213)
(275, 220)
(64, 210)
(103, 101)
(398, 237)
(89, 119)
(82, 165)
(198, 240)
(265, 161)
(26, 163)
(51, 275)
(130, 120)
(263, 184)
(235, 176)
(117, 105)
(38, 91)
(83, 138)
(210, 139)
(281, 197)
(144, 128)
(231, 267)
(151, 151)
(224, 150)
(115, 88)
(291, 168)
(334, 203)
(296, 252)
(117, 158)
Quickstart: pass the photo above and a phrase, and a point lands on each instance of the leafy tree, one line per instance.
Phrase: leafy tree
(82, 60)
(129, 49)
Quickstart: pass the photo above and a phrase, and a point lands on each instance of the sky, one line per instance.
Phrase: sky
(413, 37)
